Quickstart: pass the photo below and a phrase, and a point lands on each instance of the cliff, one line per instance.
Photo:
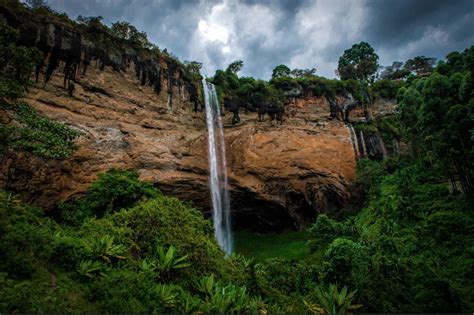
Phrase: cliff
(138, 111)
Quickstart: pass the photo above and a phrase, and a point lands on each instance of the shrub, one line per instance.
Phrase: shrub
(324, 231)
(36, 134)
(344, 262)
(113, 190)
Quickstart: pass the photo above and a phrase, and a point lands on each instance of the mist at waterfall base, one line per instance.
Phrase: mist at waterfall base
(217, 170)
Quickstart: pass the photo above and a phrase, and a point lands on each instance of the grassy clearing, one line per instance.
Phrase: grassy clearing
(289, 245)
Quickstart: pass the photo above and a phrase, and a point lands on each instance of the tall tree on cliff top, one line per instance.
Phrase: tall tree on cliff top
(235, 66)
(360, 62)
(281, 71)
(421, 65)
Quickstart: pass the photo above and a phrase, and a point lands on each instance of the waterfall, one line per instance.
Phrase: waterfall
(382, 146)
(364, 149)
(217, 170)
(396, 147)
(354, 141)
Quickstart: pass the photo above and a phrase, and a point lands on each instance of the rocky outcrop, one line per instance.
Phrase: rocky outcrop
(138, 111)
(71, 49)
(280, 176)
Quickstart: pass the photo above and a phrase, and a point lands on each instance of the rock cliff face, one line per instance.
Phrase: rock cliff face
(138, 113)
(280, 176)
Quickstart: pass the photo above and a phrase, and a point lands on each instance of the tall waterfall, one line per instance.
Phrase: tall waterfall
(217, 169)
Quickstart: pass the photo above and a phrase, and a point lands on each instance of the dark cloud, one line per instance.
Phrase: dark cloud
(299, 33)
(422, 27)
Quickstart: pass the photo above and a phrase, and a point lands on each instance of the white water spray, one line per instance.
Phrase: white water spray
(217, 170)
(354, 141)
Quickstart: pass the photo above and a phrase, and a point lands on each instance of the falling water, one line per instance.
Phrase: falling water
(354, 141)
(384, 150)
(364, 149)
(217, 169)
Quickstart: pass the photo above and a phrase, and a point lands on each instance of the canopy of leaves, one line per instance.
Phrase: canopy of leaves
(281, 71)
(420, 65)
(360, 62)
(249, 92)
(437, 116)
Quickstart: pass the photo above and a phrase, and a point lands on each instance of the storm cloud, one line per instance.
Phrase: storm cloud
(298, 33)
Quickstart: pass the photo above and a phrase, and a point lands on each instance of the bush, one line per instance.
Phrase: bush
(324, 231)
(113, 190)
(345, 261)
(386, 88)
(36, 134)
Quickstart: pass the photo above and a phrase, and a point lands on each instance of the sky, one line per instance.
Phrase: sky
(297, 33)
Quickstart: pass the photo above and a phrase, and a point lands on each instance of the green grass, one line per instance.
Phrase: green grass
(289, 245)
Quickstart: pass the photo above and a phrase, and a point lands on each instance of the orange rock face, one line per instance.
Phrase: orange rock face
(280, 176)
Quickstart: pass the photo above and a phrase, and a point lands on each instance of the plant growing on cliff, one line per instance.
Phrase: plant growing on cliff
(37, 134)
(16, 63)
(360, 62)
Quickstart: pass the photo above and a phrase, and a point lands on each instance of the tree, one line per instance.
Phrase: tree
(281, 71)
(303, 73)
(126, 31)
(360, 62)
(394, 72)
(193, 66)
(421, 65)
(235, 66)
(121, 30)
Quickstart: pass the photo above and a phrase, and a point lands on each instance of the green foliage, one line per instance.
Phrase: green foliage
(386, 88)
(112, 264)
(400, 269)
(288, 245)
(222, 299)
(29, 131)
(286, 282)
(303, 73)
(114, 189)
(192, 71)
(16, 63)
(127, 32)
(319, 86)
(420, 65)
(345, 261)
(35, 133)
(331, 301)
(395, 72)
(251, 93)
(360, 62)
(436, 116)
(104, 249)
(324, 231)
(281, 71)
(235, 67)
(168, 260)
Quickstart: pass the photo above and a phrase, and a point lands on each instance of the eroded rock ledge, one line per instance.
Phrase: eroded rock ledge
(141, 115)
(280, 176)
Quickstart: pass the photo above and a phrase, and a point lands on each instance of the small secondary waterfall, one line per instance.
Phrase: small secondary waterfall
(364, 148)
(354, 141)
(217, 169)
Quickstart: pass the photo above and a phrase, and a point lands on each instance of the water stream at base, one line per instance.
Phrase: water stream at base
(217, 170)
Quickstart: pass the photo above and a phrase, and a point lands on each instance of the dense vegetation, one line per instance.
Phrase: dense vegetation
(357, 69)
(404, 244)
(27, 131)
(156, 255)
